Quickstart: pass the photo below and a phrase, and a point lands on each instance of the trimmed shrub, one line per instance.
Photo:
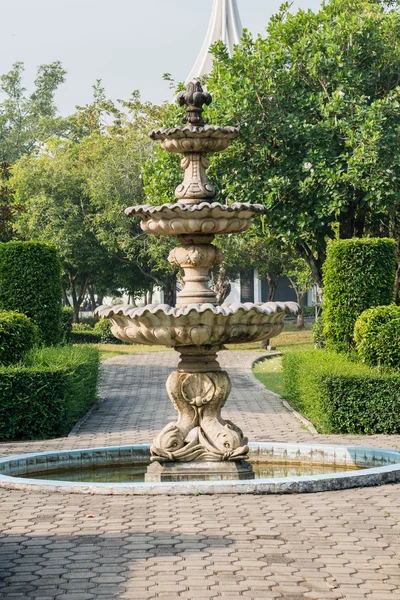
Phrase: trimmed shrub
(104, 328)
(388, 342)
(30, 283)
(47, 394)
(67, 318)
(85, 337)
(17, 335)
(342, 396)
(358, 274)
(318, 333)
(371, 346)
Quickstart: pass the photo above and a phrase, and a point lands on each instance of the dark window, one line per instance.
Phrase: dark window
(247, 286)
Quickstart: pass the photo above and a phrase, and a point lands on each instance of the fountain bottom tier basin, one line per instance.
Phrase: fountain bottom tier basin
(278, 468)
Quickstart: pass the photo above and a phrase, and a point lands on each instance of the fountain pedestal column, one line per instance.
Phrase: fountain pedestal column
(199, 389)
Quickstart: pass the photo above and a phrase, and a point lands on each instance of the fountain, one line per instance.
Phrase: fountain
(201, 453)
(200, 442)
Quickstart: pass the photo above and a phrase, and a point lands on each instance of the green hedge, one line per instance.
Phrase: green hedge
(341, 396)
(17, 335)
(85, 337)
(358, 274)
(30, 283)
(67, 318)
(49, 393)
(376, 336)
(104, 328)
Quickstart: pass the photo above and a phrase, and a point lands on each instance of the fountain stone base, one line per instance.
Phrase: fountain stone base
(199, 389)
(199, 471)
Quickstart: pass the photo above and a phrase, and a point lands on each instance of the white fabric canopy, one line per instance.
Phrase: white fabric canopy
(225, 25)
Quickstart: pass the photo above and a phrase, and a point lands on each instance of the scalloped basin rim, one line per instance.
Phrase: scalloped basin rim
(289, 308)
(189, 131)
(369, 476)
(191, 208)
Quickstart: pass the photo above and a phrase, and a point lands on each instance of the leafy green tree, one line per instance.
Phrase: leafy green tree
(27, 119)
(74, 192)
(318, 104)
(317, 100)
(49, 185)
(9, 209)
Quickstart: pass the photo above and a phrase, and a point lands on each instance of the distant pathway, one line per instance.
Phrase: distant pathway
(319, 546)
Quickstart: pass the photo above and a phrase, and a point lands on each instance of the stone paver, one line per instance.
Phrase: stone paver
(320, 546)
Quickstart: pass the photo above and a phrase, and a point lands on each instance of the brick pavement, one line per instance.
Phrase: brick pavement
(318, 546)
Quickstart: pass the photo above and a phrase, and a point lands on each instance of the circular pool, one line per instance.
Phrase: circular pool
(280, 468)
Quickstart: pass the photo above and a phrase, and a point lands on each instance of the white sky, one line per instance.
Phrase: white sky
(128, 44)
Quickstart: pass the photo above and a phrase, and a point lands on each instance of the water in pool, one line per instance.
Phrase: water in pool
(135, 473)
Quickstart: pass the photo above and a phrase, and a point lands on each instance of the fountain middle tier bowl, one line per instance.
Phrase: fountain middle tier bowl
(197, 324)
(206, 218)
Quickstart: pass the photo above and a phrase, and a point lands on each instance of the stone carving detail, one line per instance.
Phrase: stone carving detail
(195, 185)
(196, 260)
(200, 434)
(194, 97)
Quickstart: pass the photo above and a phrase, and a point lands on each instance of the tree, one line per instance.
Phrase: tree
(317, 101)
(8, 207)
(301, 281)
(49, 185)
(27, 119)
(74, 192)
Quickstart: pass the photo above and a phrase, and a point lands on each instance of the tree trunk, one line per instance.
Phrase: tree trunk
(65, 296)
(149, 299)
(300, 316)
(272, 287)
(93, 304)
(346, 225)
(314, 261)
(77, 297)
(170, 290)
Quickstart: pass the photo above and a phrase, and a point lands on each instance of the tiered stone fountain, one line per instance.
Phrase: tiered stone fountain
(200, 443)
(201, 452)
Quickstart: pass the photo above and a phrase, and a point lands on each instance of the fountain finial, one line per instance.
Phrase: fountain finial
(194, 97)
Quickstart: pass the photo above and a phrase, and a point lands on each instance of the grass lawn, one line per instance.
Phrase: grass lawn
(269, 371)
(290, 338)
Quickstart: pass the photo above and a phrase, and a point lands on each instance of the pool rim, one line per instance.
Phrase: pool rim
(365, 477)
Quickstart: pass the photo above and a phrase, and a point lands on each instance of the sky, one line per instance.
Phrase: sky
(128, 44)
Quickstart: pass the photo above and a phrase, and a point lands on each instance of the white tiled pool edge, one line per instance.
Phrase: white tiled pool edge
(387, 472)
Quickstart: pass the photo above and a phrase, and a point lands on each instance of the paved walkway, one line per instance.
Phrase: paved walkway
(318, 546)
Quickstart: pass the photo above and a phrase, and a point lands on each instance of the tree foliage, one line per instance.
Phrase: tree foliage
(28, 118)
(317, 102)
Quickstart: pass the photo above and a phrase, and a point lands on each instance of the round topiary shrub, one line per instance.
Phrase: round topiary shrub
(30, 283)
(17, 335)
(388, 344)
(373, 337)
(104, 327)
